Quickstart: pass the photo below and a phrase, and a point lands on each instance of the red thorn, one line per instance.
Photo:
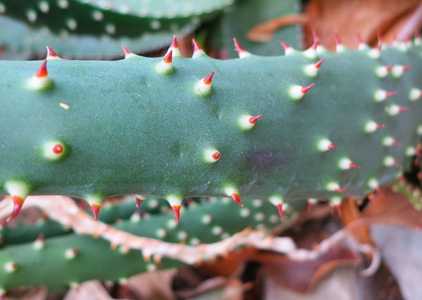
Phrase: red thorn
(17, 207)
(174, 43)
(208, 79)
(95, 209)
(380, 126)
(51, 53)
(58, 149)
(168, 58)
(237, 47)
(138, 202)
(280, 210)
(254, 119)
(407, 68)
(306, 89)
(216, 155)
(284, 45)
(236, 199)
(126, 51)
(42, 71)
(391, 93)
(403, 109)
(332, 146)
(354, 165)
(176, 212)
(196, 46)
(319, 63)
(340, 190)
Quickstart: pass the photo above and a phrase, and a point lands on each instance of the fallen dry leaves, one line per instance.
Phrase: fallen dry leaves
(303, 276)
(92, 290)
(388, 207)
(350, 20)
(150, 285)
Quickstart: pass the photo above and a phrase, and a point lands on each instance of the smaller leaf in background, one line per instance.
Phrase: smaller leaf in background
(302, 276)
(229, 264)
(217, 288)
(264, 32)
(151, 285)
(388, 207)
(349, 214)
(343, 284)
(246, 14)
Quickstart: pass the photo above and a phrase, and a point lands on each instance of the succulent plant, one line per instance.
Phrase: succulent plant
(32, 41)
(273, 134)
(111, 213)
(95, 29)
(69, 259)
(244, 15)
(114, 18)
(87, 138)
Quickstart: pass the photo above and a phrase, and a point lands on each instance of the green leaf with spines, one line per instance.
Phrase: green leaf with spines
(132, 130)
(123, 18)
(94, 258)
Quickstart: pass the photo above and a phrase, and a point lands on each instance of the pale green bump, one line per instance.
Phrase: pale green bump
(17, 188)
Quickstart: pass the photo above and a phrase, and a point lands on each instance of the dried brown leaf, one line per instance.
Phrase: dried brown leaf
(92, 290)
(302, 276)
(152, 285)
(389, 207)
(347, 18)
